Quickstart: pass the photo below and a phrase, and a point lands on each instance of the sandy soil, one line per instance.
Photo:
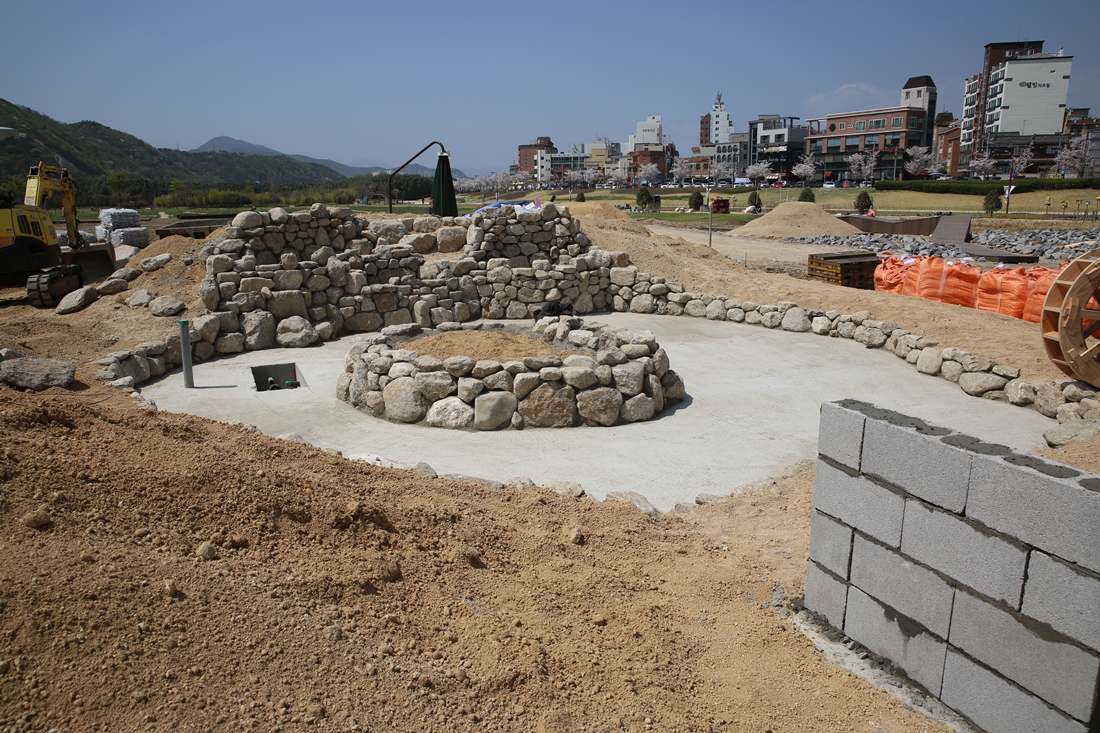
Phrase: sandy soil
(350, 596)
(796, 219)
(479, 345)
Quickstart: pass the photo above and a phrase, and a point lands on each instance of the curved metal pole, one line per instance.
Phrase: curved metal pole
(389, 182)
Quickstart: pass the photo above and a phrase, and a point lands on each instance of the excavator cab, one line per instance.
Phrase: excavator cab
(29, 245)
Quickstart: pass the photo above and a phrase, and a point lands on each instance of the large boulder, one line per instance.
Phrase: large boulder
(451, 413)
(79, 299)
(259, 330)
(248, 220)
(208, 293)
(287, 303)
(166, 305)
(494, 409)
(360, 322)
(549, 406)
(637, 408)
(390, 229)
(435, 385)
(112, 286)
(152, 264)
(978, 383)
(797, 320)
(404, 401)
(629, 377)
(37, 374)
(451, 239)
(600, 405)
(295, 332)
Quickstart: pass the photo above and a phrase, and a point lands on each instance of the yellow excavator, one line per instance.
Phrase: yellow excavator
(29, 246)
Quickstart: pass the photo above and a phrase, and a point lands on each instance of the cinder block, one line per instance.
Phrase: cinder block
(859, 503)
(919, 464)
(994, 704)
(944, 542)
(840, 434)
(896, 637)
(1055, 515)
(830, 543)
(1063, 597)
(1062, 674)
(914, 590)
(826, 594)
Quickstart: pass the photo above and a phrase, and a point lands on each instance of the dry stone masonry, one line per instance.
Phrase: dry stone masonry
(973, 568)
(622, 377)
(292, 280)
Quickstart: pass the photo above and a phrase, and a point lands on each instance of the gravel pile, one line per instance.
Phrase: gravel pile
(896, 243)
(1046, 243)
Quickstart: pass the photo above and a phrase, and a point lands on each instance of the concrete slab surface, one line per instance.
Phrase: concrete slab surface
(752, 409)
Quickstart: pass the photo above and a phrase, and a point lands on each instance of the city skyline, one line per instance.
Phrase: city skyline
(344, 86)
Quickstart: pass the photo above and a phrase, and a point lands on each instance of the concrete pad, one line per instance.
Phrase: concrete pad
(752, 409)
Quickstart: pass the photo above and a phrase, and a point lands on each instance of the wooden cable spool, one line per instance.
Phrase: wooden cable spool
(1069, 325)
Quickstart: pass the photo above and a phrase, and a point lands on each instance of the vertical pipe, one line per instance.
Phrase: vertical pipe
(185, 351)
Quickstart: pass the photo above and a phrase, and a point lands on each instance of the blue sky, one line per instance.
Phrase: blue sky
(355, 80)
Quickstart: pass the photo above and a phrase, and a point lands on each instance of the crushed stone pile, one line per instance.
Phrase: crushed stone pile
(796, 219)
(1046, 243)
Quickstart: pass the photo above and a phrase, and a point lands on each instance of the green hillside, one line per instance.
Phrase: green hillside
(92, 150)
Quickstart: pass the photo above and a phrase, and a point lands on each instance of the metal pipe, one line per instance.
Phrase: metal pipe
(389, 181)
(185, 351)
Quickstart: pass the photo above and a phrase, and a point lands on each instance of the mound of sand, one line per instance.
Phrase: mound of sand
(482, 345)
(796, 219)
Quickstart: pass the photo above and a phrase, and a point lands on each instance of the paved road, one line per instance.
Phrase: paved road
(752, 410)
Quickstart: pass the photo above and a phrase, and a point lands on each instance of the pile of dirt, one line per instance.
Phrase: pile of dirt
(493, 345)
(353, 597)
(796, 219)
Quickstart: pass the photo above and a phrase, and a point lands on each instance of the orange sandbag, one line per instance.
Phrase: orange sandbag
(1004, 291)
(935, 279)
(1039, 280)
(890, 274)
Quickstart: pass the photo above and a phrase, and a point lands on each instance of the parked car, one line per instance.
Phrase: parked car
(866, 184)
(828, 184)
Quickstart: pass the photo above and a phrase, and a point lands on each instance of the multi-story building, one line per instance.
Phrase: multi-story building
(889, 130)
(1002, 147)
(602, 150)
(715, 126)
(945, 147)
(1080, 123)
(651, 153)
(777, 140)
(529, 152)
(1027, 95)
(647, 132)
(977, 94)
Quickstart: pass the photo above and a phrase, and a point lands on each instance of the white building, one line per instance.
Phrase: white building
(648, 132)
(719, 128)
(1027, 95)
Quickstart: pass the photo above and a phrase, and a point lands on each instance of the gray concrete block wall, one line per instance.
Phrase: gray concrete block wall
(973, 568)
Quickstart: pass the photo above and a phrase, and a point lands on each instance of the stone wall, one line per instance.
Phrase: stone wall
(973, 568)
(625, 377)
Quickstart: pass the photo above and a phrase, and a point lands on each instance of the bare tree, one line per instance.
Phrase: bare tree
(1020, 163)
(650, 172)
(920, 160)
(982, 166)
(806, 168)
(1076, 156)
(758, 171)
(682, 169)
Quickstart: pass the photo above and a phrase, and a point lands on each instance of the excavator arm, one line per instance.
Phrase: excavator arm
(43, 180)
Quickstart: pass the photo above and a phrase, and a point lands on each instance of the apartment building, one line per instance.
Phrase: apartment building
(777, 140)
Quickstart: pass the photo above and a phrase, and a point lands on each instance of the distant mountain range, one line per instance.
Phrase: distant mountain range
(91, 149)
(364, 167)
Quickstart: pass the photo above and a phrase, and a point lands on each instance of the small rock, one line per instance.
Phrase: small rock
(207, 551)
(36, 519)
(166, 305)
(426, 471)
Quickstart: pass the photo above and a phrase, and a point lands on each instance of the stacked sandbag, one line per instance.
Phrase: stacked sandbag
(1003, 290)
(890, 273)
(1040, 280)
(936, 279)
(130, 237)
(122, 227)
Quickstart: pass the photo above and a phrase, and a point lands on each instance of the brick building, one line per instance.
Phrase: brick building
(528, 153)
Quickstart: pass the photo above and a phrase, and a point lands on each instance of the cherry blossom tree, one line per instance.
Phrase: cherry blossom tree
(758, 171)
(920, 160)
(1076, 156)
(982, 166)
(806, 168)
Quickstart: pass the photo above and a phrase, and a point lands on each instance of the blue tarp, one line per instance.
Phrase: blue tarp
(498, 204)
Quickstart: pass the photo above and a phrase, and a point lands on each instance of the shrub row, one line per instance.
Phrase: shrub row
(980, 188)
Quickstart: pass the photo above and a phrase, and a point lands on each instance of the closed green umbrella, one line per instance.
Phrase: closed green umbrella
(443, 188)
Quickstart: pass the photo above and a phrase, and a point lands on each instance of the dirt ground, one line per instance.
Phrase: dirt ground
(479, 345)
(345, 596)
